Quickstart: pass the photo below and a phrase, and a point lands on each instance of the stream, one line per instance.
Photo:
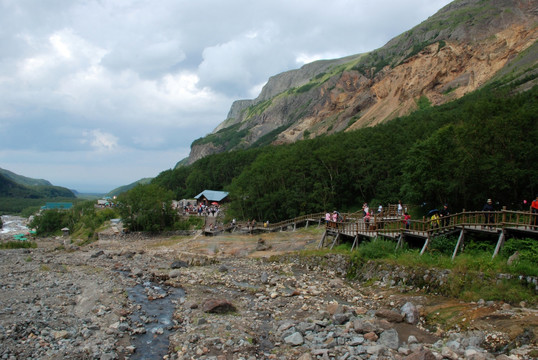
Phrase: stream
(155, 308)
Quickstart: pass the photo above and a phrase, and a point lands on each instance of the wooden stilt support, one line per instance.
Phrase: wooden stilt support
(306, 227)
(335, 240)
(426, 243)
(400, 242)
(500, 243)
(458, 244)
(294, 226)
(322, 239)
(355, 242)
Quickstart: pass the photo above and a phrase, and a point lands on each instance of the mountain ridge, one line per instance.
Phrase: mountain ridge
(455, 51)
(17, 186)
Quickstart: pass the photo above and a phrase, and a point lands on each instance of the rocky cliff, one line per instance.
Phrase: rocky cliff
(462, 47)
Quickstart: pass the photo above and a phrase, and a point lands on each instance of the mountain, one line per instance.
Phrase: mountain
(125, 188)
(23, 180)
(18, 186)
(461, 48)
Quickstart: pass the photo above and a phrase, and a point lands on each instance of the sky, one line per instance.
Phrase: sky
(96, 94)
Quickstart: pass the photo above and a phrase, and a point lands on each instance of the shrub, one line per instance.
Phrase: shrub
(527, 249)
(378, 249)
(442, 245)
(18, 245)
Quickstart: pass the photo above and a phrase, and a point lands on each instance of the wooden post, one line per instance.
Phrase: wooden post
(499, 244)
(322, 239)
(335, 240)
(458, 244)
(425, 244)
(400, 240)
(306, 227)
(355, 242)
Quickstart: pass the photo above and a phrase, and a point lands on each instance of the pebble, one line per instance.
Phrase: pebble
(74, 305)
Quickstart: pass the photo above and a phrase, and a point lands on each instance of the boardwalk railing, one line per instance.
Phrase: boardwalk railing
(396, 228)
(390, 224)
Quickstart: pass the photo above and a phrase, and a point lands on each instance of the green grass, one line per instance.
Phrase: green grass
(473, 274)
(18, 245)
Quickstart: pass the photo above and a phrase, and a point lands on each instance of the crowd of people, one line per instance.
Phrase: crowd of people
(438, 219)
(202, 209)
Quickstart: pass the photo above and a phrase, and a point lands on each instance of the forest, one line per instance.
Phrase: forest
(461, 153)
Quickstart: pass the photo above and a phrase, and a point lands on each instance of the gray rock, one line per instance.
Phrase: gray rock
(362, 326)
(179, 264)
(421, 355)
(97, 254)
(340, 319)
(137, 272)
(304, 327)
(356, 340)
(294, 339)
(410, 313)
(389, 338)
(412, 339)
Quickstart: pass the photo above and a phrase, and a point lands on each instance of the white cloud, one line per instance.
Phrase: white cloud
(99, 140)
(90, 83)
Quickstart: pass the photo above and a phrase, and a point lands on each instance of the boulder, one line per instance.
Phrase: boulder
(218, 306)
(410, 313)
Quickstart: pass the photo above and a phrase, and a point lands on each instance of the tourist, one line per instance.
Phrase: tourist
(367, 221)
(380, 209)
(334, 216)
(407, 220)
(435, 220)
(489, 217)
(534, 210)
(365, 209)
(445, 212)
(400, 208)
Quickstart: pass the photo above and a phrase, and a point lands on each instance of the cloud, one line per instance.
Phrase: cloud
(91, 83)
(100, 141)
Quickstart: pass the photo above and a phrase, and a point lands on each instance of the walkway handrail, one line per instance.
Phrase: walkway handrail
(394, 225)
(481, 219)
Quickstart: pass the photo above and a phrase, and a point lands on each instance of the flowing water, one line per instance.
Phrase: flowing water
(155, 310)
(13, 225)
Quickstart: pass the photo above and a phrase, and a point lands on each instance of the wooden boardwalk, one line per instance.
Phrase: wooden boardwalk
(500, 223)
(390, 225)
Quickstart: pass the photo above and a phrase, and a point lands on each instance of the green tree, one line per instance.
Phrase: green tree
(147, 208)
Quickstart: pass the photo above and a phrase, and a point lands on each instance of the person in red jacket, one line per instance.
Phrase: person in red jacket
(534, 210)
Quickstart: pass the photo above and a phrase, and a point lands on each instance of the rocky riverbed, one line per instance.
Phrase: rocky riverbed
(232, 297)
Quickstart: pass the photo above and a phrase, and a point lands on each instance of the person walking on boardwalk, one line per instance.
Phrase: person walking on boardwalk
(534, 210)
(489, 217)
(445, 212)
(407, 220)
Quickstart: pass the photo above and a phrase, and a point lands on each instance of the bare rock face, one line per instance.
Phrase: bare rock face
(454, 52)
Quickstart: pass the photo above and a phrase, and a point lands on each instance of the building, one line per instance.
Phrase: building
(208, 197)
(57, 206)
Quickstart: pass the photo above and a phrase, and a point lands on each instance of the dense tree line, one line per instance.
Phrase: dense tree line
(480, 146)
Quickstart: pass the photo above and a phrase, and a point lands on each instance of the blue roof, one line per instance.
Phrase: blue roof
(212, 195)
